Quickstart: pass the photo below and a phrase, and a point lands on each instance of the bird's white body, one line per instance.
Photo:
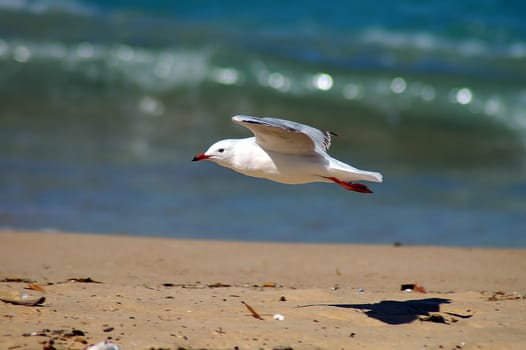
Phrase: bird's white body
(252, 160)
(286, 152)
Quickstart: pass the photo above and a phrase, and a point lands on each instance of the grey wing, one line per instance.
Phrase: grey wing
(285, 136)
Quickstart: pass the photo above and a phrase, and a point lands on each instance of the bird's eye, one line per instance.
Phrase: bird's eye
(221, 150)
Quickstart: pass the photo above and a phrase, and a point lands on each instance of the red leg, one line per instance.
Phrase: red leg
(351, 186)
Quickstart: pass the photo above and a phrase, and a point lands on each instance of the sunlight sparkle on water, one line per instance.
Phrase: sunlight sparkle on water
(398, 85)
(351, 91)
(464, 96)
(227, 76)
(21, 54)
(322, 81)
(278, 81)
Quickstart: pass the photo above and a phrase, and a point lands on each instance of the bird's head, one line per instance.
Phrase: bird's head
(220, 152)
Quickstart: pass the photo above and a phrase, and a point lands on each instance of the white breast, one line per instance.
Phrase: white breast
(252, 160)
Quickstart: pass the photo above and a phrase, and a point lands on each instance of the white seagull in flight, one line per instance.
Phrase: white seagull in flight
(286, 152)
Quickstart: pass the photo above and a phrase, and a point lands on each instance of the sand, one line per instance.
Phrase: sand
(182, 294)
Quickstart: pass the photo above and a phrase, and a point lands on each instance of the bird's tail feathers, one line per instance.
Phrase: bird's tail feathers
(345, 172)
(371, 176)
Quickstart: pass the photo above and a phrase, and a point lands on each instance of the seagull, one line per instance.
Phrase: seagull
(286, 152)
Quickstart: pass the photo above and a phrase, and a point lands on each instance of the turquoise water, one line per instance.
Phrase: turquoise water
(103, 105)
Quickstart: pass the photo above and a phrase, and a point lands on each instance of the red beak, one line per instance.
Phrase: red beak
(200, 156)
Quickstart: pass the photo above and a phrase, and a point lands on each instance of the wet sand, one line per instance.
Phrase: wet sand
(170, 294)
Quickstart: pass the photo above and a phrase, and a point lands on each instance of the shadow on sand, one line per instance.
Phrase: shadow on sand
(395, 312)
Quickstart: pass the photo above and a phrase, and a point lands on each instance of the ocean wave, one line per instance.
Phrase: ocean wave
(76, 7)
(427, 42)
(169, 69)
(152, 72)
(458, 46)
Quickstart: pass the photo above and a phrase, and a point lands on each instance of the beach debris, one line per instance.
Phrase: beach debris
(336, 287)
(17, 280)
(278, 317)
(361, 290)
(252, 311)
(82, 280)
(36, 287)
(219, 285)
(48, 345)
(500, 295)
(57, 336)
(74, 333)
(35, 334)
(282, 298)
(459, 315)
(407, 287)
(56, 332)
(437, 318)
(18, 298)
(104, 345)
(264, 285)
(219, 331)
(196, 285)
(412, 287)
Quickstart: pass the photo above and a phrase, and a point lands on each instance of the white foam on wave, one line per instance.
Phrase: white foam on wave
(147, 68)
(160, 70)
(76, 7)
(425, 42)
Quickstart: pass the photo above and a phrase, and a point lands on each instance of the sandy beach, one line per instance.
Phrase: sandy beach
(182, 294)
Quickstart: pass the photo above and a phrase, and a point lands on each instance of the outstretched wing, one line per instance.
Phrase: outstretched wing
(285, 136)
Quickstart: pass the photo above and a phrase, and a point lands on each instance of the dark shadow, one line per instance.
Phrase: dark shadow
(395, 312)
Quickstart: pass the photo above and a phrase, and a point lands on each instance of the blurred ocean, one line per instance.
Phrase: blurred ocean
(104, 103)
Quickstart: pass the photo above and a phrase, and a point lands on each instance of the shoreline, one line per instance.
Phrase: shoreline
(171, 293)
